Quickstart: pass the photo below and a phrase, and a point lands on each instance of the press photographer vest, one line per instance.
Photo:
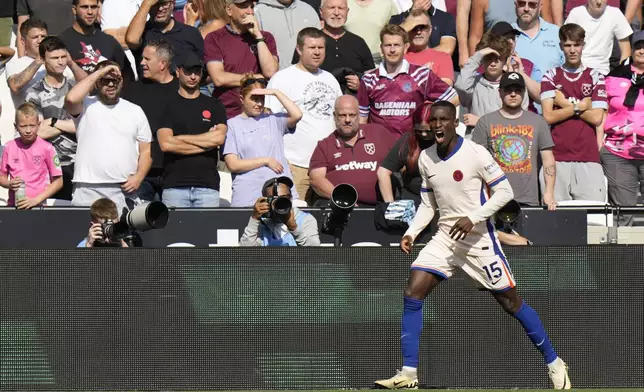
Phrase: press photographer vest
(268, 238)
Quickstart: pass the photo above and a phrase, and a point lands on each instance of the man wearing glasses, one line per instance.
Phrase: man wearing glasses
(113, 135)
(538, 40)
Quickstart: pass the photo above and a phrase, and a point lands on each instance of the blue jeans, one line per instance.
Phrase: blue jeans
(191, 197)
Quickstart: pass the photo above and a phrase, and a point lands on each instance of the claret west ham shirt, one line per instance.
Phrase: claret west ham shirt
(392, 100)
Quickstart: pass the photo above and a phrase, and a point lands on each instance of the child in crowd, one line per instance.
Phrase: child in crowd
(479, 93)
(29, 168)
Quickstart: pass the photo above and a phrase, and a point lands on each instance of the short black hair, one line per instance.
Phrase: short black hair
(308, 32)
(446, 105)
(32, 23)
(75, 2)
(49, 44)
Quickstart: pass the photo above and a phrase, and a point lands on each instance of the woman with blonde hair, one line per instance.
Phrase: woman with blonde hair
(254, 148)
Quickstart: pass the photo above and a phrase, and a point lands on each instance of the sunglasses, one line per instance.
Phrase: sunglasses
(253, 81)
(532, 5)
(421, 27)
(107, 81)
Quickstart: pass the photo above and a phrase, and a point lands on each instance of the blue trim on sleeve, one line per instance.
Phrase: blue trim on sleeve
(548, 94)
(600, 105)
(498, 180)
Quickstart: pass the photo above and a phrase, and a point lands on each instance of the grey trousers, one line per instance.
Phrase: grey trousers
(578, 181)
(625, 177)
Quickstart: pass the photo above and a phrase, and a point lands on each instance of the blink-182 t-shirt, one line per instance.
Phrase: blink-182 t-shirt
(392, 101)
(515, 144)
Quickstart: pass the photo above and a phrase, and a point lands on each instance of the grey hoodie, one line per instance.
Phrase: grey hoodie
(478, 94)
(284, 23)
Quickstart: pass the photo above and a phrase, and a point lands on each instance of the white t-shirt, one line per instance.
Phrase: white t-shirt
(315, 95)
(600, 34)
(108, 136)
(17, 65)
(119, 13)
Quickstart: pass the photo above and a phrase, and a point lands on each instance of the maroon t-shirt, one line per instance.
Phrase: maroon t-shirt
(570, 4)
(357, 165)
(575, 139)
(392, 102)
(239, 55)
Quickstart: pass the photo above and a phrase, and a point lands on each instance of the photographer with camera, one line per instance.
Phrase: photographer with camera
(276, 222)
(104, 213)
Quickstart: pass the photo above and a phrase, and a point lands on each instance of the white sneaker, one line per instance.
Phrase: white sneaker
(402, 380)
(558, 372)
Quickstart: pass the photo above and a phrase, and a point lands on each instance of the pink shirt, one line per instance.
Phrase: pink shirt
(36, 164)
(439, 62)
(624, 126)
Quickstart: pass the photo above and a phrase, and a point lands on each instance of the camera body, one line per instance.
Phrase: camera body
(280, 208)
(113, 233)
(141, 218)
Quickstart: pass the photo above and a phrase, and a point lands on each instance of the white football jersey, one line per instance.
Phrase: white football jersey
(459, 186)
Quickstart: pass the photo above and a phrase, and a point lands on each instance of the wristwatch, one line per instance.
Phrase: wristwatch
(54, 120)
(261, 40)
(577, 111)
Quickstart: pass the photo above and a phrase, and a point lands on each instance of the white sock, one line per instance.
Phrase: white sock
(409, 369)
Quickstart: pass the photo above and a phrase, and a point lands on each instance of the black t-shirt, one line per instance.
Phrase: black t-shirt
(397, 158)
(152, 97)
(192, 117)
(443, 25)
(89, 50)
(7, 8)
(349, 51)
(183, 38)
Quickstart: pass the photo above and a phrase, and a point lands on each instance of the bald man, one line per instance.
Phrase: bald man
(351, 155)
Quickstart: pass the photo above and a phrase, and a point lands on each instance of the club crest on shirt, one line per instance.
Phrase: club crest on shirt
(458, 175)
(586, 89)
(370, 148)
(407, 87)
(36, 159)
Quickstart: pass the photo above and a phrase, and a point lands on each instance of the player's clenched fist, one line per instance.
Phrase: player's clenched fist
(405, 244)
(461, 228)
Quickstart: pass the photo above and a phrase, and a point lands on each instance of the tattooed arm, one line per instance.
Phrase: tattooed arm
(549, 175)
(18, 81)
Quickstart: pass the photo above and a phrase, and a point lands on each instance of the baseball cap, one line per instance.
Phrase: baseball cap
(280, 180)
(639, 36)
(512, 79)
(503, 28)
(190, 60)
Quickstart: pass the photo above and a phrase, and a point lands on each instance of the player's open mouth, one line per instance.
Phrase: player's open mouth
(439, 135)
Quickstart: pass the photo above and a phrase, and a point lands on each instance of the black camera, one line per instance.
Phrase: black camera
(143, 217)
(113, 232)
(334, 220)
(280, 208)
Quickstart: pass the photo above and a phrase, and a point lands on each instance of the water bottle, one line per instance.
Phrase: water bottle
(21, 192)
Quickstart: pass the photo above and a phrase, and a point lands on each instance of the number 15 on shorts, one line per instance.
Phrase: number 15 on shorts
(494, 271)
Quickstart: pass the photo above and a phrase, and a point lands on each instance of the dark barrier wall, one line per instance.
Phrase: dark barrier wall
(305, 318)
(64, 228)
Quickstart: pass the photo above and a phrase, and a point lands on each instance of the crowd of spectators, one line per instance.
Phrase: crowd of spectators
(160, 99)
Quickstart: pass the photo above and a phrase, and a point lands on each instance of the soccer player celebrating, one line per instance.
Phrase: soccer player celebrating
(390, 94)
(455, 173)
